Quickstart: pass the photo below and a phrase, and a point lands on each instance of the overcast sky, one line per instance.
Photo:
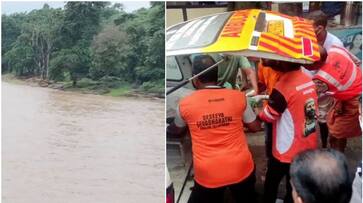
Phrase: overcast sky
(9, 7)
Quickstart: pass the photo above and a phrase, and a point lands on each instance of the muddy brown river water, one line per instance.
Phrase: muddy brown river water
(73, 148)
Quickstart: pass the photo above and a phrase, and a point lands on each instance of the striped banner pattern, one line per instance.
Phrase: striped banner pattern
(292, 47)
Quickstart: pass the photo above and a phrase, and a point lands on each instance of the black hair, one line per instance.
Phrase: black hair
(321, 176)
(290, 66)
(282, 66)
(200, 63)
(319, 18)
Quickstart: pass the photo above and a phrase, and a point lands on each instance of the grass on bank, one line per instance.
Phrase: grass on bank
(121, 91)
(109, 86)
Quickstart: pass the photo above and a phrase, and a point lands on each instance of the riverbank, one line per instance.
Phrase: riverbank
(107, 87)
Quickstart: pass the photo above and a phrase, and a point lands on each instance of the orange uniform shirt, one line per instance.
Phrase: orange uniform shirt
(268, 76)
(292, 109)
(220, 152)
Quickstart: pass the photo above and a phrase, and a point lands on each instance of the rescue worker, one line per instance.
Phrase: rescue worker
(216, 117)
(339, 76)
(267, 78)
(292, 98)
(327, 40)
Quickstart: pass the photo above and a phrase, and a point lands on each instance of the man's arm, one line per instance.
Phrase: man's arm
(275, 107)
(250, 73)
(250, 120)
(178, 126)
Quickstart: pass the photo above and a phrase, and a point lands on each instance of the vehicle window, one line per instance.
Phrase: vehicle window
(197, 33)
(172, 69)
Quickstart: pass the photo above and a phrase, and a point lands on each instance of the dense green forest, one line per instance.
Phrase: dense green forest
(94, 45)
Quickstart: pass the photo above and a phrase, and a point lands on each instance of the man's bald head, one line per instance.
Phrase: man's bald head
(321, 176)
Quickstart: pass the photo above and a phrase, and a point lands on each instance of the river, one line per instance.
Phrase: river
(68, 147)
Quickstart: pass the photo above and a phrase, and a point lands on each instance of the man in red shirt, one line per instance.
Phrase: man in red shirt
(340, 76)
(216, 117)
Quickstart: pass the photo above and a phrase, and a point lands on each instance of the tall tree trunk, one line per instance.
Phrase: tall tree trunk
(43, 58)
(49, 48)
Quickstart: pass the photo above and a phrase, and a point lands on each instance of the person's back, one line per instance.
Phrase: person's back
(320, 176)
(341, 74)
(219, 143)
(295, 130)
(291, 110)
(221, 157)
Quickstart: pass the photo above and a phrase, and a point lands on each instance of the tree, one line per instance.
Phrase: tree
(146, 36)
(20, 58)
(11, 29)
(110, 50)
(155, 56)
(81, 22)
(43, 29)
(75, 61)
(87, 39)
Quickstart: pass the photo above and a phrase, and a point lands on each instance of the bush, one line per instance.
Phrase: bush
(153, 86)
(86, 82)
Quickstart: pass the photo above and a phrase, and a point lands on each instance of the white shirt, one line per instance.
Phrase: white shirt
(331, 40)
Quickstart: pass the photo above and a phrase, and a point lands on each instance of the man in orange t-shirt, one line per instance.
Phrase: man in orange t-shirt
(216, 117)
(267, 77)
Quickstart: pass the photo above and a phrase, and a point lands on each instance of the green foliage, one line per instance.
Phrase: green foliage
(154, 86)
(11, 29)
(75, 61)
(88, 41)
(109, 53)
(145, 30)
(81, 22)
(120, 91)
(20, 58)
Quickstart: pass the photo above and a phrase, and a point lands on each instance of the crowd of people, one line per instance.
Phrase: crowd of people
(304, 102)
